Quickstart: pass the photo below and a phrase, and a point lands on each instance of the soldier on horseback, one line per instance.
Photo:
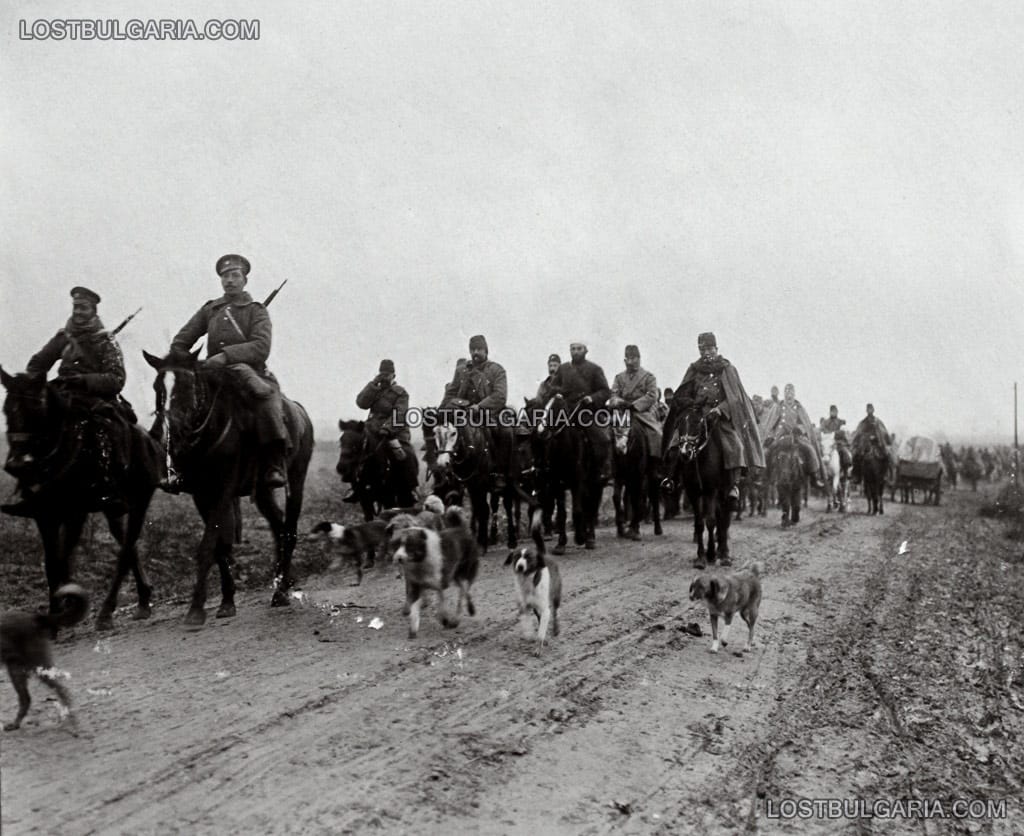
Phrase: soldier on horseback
(91, 376)
(388, 402)
(713, 385)
(479, 389)
(585, 389)
(788, 418)
(869, 431)
(834, 424)
(546, 390)
(636, 391)
(238, 337)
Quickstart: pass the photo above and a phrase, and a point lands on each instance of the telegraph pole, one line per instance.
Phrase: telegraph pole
(1016, 445)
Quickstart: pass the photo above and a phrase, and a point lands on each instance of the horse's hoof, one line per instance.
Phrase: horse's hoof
(104, 622)
(449, 622)
(559, 549)
(621, 533)
(634, 536)
(226, 611)
(280, 599)
(699, 563)
(142, 613)
(657, 530)
(589, 543)
(196, 617)
(724, 562)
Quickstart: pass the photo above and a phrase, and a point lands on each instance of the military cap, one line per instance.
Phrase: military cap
(386, 367)
(478, 342)
(707, 339)
(85, 293)
(554, 358)
(632, 351)
(870, 406)
(233, 262)
(832, 406)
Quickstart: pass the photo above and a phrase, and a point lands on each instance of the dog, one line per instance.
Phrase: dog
(355, 542)
(434, 560)
(727, 594)
(26, 648)
(538, 584)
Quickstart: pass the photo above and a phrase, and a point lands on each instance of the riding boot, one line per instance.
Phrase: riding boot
(274, 469)
(734, 490)
(106, 489)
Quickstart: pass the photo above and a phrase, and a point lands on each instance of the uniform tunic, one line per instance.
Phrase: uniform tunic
(640, 390)
(388, 404)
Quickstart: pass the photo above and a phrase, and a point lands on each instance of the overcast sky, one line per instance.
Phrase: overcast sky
(836, 190)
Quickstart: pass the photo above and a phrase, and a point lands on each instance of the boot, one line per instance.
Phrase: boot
(274, 471)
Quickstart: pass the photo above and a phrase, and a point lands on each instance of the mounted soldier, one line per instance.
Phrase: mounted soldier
(870, 430)
(479, 389)
(546, 390)
(635, 390)
(238, 338)
(788, 418)
(834, 424)
(90, 377)
(388, 403)
(713, 385)
(585, 389)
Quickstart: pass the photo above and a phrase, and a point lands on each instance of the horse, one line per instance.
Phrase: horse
(463, 463)
(837, 477)
(637, 483)
(788, 475)
(672, 483)
(382, 481)
(48, 442)
(874, 465)
(572, 466)
(706, 483)
(753, 493)
(217, 458)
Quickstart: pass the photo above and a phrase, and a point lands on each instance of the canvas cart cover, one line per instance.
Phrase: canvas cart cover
(917, 448)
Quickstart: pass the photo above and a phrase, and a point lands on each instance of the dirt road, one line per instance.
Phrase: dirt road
(875, 675)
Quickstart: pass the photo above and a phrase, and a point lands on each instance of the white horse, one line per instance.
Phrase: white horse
(837, 479)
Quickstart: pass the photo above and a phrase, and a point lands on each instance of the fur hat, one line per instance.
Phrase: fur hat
(707, 339)
(554, 358)
(632, 351)
(479, 341)
(386, 367)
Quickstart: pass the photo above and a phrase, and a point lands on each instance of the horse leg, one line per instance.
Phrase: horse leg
(273, 513)
(219, 527)
(481, 512)
(722, 533)
(495, 504)
(511, 502)
(53, 559)
(654, 495)
(620, 516)
(697, 504)
(560, 521)
(127, 561)
(578, 526)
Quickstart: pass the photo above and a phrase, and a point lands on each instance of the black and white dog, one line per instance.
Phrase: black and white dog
(538, 584)
(434, 560)
(356, 543)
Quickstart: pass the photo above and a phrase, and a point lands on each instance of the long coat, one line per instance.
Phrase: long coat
(249, 343)
(717, 383)
(483, 385)
(640, 390)
(95, 357)
(785, 415)
(577, 380)
(388, 404)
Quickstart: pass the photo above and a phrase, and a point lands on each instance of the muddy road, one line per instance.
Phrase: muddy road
(875, 675)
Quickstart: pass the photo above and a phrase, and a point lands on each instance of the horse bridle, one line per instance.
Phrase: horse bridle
(691, 445)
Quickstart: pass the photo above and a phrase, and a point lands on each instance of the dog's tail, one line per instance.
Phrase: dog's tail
(454, 517)
(536, 526)
(73, 604)
(756, 569)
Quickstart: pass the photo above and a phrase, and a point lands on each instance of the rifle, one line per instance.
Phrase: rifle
(274, 293)
(127, 319)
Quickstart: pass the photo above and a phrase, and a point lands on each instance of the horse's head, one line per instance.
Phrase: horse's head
(26, 408)
(693, 430)
(188, 405)
(353, 433)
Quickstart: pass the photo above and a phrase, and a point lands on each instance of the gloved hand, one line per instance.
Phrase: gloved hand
(218, 361)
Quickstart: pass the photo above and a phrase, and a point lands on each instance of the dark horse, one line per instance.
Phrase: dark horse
(787, 474)
(637, 483)
(462, 463)
(216, 456)
(873, 465)
(572, 466)
(48, 439)
(706, 483)
(382, 481)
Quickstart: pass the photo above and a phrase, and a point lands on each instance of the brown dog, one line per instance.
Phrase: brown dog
(25, 647)
(433, 560)
(726, 594)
